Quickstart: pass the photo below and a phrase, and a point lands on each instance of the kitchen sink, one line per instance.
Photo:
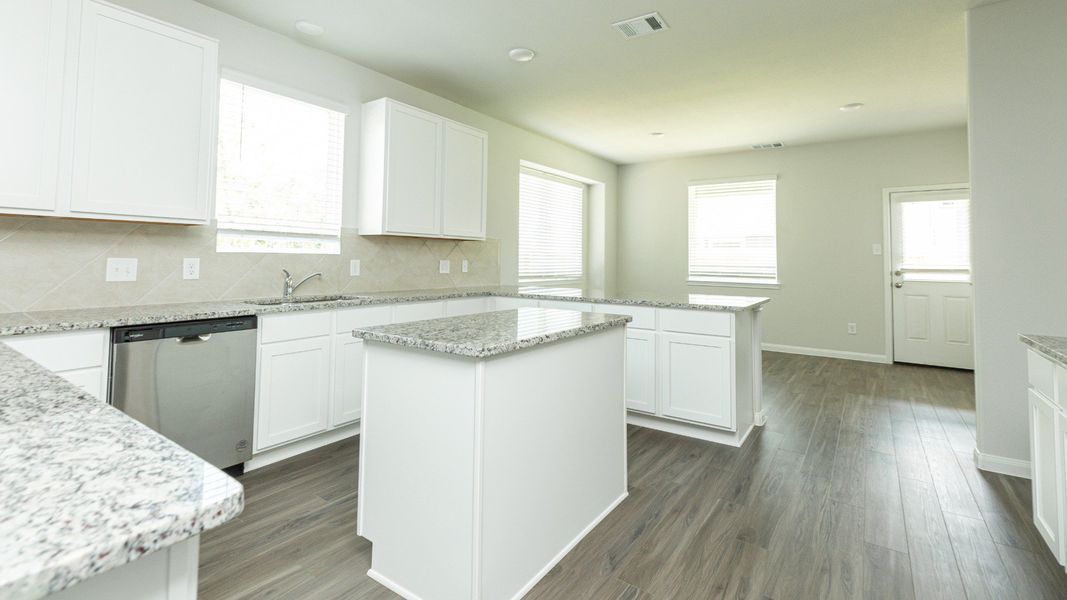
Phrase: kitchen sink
(300, 300)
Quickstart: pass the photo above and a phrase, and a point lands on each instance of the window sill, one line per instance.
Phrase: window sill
(766, 285)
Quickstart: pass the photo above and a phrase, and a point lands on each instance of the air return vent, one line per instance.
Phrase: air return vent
(770, 146)
(639, 26)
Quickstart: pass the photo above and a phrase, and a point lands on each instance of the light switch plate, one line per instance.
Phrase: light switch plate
(852, 329)
(353, 267)
(876, 249)
(466, 265)
(446, 266)
(191, 268)
(121, 269)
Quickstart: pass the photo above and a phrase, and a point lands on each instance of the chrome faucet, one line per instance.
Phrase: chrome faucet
(287, 291)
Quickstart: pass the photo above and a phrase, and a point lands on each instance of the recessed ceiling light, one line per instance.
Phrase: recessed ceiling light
(521, 54)
(853, 107)
(309, 28)
(657, 134)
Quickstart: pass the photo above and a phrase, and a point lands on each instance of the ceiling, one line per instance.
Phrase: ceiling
(727, 74)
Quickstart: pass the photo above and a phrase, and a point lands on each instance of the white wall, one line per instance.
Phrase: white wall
(1018, 146)
(250, 49)
(829, 214)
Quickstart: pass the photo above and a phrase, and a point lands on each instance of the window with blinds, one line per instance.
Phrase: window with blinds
(280, 171)
(732, 233)
(934, 236)
(551, 240)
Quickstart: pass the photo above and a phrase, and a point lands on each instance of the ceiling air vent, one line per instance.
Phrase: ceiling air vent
(769, 146)
(639, 26)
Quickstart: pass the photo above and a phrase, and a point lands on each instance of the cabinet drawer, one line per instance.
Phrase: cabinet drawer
(64, 351)
(294, 326)
(566, 305)
(418, 311)
(694, 321)
(1040, 372)
(466, 306)
(351, 318)
(509, 302)
(644, 317)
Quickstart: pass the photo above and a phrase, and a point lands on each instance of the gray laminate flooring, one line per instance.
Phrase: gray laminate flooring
(862, 485)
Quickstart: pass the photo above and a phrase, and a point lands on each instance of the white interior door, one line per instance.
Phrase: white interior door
(933, 322)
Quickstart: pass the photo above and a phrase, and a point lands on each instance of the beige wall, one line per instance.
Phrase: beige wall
(829, 214)
(1018, 136)
(267, 55)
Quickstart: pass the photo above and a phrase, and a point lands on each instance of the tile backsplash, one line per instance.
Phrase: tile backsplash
(48, 263)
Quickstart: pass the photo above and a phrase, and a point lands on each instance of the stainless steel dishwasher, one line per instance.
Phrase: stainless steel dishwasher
(194, 382)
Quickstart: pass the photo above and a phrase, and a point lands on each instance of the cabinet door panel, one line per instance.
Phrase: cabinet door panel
(33, 40)
(91, 380)
(641, 370)
(463, 181)
(1061, 484)
(1044, 475)
(294, 390)
(413, 167)
(348, 380)
(466, 306)
(695, 382)
(147, 98)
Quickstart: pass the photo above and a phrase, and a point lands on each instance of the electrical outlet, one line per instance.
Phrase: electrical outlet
(446, 266)
(121, 269)
(852, 329)
(191, 268)
(876, 249)
(353, 267)
(466, 265)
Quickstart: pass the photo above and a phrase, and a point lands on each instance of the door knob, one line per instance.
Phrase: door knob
(898, 272)
(898, 284)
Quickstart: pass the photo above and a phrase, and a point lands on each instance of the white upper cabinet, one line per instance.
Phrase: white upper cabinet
(107, 114)
(146, 104)
(33, 35)
(463, 181)
(420, 174)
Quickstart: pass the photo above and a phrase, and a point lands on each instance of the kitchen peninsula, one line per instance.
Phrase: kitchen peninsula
(491, 444)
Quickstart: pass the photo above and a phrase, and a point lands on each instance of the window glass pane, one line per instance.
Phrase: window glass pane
(732, 231)
(280, 171)
(936, 235)
(550, 227)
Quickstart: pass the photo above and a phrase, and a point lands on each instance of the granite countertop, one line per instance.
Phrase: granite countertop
(489, 334)
(1052, 347)
(18, 323)
(84, 488)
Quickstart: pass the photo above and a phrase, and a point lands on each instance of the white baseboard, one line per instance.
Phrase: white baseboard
(860, 356)
(393, 586)
(273, 455)
(699, 432)
(1002, 464)
(574, 542)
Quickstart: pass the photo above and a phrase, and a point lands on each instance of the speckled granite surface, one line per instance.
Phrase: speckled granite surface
(64, 320)
(489, 334)
(84, 488)
(1052, 347)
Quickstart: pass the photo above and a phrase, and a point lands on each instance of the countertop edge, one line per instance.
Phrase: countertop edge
(1040, 344)
(472, 351)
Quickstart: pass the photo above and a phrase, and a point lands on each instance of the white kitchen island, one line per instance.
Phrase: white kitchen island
(491, 444)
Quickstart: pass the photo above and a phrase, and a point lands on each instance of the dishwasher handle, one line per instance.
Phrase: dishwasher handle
(194, 339)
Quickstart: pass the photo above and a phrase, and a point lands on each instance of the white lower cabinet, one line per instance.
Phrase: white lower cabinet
(418, 311)
(294, 390)
(509, 302)
(80, 357)
(347, 380)
(1048, 451)
(467, 306)
(641, 370)
(695, 377)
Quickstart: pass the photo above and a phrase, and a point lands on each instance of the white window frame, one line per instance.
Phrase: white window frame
(546, 173)
(729, 281)
(330, 246)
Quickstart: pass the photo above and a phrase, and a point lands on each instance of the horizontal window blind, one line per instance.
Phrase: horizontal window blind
(550, 227)
(936, 234)
(280, 172)
(732, 231)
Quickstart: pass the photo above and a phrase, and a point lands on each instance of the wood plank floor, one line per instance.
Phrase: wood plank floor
(862, 485)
